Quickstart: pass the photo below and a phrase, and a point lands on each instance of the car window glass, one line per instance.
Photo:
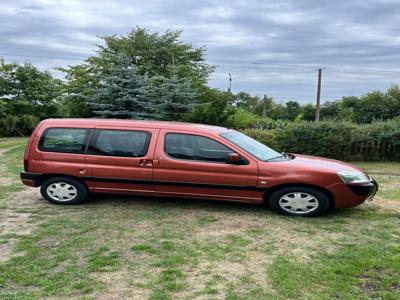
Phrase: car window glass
(66, 140)
(124, 143)
(194, 147)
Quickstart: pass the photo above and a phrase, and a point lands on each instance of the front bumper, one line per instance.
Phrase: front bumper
(348, 195)
(368, 189)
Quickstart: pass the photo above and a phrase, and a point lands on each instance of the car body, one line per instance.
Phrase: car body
(70, 158)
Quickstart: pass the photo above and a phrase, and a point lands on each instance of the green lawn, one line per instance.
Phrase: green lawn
(152, 248)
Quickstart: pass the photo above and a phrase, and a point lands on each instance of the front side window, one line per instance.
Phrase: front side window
(65, 140)
(195, 147)
(123, 143)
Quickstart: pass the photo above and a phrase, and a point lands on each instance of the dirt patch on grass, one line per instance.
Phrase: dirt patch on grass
(5, 251)
(4, 181)
(117, 286)
(391, 205)
(17, 223)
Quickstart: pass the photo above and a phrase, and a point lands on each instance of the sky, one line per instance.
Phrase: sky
(270, 47)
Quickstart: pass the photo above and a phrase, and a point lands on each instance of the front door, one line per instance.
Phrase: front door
(194, 165)
(121, 159)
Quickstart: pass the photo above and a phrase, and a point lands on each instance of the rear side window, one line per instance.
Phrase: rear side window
(65, 140)
(123, 143)
(195, 147)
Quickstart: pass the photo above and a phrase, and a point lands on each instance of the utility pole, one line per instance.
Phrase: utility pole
(318, 107)
(230, 83)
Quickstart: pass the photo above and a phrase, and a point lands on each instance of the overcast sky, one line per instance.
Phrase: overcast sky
(348, 37)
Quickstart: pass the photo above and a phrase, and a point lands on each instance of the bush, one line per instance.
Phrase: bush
(339, 140)
(21, 125)
(267, 137)
(242, 119)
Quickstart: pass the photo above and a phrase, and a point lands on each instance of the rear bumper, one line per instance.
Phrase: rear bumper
(30, 179)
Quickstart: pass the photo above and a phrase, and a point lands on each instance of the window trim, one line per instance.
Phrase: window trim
(95, 134)
(193, 160)
(84, 144)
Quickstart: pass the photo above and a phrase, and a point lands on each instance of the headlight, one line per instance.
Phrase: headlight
(353, 176)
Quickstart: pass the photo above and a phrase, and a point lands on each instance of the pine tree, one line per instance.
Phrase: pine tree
(124, 94)
(175, 97)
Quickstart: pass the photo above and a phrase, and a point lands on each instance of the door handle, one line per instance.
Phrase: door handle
(146, 163)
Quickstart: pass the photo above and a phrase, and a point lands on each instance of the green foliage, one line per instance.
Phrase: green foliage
(122, 94)
(173, 97)
(21, 125)
(213, 108)
(267, 137)
(339, 140)
(126, 94)
(243, 119)
(26, 90)
(245, 101)
(81, 82)
(153, 55)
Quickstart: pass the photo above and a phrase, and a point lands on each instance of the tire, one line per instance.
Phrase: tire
(64, 190)
(299, 201)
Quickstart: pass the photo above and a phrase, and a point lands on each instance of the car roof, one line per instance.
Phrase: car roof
(137, 124)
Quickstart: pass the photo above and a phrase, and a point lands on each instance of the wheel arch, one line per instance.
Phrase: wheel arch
(270, 191)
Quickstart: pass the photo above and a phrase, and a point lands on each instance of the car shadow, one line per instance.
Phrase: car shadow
(99, 200)
(170, 202)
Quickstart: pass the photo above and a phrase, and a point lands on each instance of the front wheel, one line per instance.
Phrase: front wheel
(64, 190)
(299, 201)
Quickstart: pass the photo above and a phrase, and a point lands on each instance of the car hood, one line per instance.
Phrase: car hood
(304, 169)
(320, 163)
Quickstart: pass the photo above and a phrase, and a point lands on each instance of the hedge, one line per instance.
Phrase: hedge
(21, 125)
(339, 140)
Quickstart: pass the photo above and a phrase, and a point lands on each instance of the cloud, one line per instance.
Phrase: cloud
(347, 35)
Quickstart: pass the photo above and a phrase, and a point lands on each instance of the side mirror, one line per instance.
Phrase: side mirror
(235, 159)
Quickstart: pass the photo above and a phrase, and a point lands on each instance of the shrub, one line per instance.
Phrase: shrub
(21, 125)
(242, 119)
(267, 137)
(339, 140)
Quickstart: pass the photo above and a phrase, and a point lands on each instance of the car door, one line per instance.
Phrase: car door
(194, 165)
(120, 159)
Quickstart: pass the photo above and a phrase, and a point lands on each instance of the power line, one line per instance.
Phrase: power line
(342, 69)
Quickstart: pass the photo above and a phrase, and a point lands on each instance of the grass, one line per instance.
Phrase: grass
(153, 248)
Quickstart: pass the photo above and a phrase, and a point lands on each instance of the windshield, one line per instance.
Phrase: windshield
(250, 145)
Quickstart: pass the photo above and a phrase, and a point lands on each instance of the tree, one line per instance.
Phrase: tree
(26, 90)
(378, 106)
(174, 97)
(245, 101)
(122, 94)
(330, 110)
(82, 82)
(152, 54)
(214, 108)
(292, 110)
(308, 112)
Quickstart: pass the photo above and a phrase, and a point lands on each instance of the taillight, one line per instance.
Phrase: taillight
(26, 165)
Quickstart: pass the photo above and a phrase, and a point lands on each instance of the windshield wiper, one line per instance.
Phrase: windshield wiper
(284, 155)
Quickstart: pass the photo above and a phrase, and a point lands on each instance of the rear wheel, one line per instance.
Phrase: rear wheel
(64, 190)
(299, 201)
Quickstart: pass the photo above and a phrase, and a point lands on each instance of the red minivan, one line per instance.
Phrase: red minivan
(69, 158)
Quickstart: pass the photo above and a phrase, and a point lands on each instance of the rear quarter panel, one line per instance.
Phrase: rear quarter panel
(53, 162)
